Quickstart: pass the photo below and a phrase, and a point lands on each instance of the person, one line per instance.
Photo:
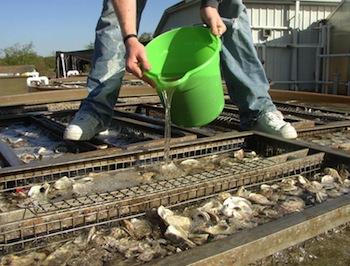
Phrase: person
(117, 48)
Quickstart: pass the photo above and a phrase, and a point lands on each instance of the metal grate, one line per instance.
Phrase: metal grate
(49, 172)
(69, 216)
(311, 113)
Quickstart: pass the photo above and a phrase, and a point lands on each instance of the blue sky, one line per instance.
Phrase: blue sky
(61, 24)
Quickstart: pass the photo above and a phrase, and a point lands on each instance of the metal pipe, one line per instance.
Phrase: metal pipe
(300, 82)
(323, 32)
(297, 10)
(290, 45)
(63, 65)
(292, 82)
(264, 56)
(294, 64)
(318, 62)
(328, 51)
(309, 82)
(336, 83)
(333, 55)
(270, 28)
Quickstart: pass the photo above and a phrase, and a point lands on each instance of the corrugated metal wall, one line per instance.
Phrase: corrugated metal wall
(277, 20)
(339, 68)
(278, 59)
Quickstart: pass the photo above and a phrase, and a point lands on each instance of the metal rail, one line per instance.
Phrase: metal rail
(9, 156)
(52, 219)
(57, 130)
(229, 118)
(340, 126)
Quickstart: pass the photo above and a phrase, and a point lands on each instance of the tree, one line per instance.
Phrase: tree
(19, 54)
(90, 46)
(24, 54)
(145, 37)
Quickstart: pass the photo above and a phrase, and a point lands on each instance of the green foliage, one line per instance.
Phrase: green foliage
(90, 46)
(24, 54)
(19, 54)
(145, 37)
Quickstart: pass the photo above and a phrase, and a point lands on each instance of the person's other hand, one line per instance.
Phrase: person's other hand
(211, 17)
(136, 58)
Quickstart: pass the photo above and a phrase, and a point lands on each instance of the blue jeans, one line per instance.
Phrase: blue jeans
(242, 70)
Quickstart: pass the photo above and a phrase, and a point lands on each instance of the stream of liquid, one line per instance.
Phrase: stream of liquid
(167, 98)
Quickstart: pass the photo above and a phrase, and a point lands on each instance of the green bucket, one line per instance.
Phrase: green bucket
(187, 60)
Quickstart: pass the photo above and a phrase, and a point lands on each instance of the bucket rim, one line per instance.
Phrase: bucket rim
(168, 84)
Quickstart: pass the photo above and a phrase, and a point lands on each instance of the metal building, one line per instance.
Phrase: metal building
(338, 55)
(289, 35)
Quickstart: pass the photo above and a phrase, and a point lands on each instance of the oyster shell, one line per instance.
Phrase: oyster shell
(118, 233)
(138, 228)
(328, 182)
(148, 176)
(223, 196)
(334, 193)
(170, 218)
(30, 259)
(239, 154)
(63, 187)
(222, 228)
(213, 206)
(39, 193)
(259, 199)
(190, 164)
(293, 204)
(254, 197)
(334, 173)
(61, 255)
(313, 187)
(199, 239)
(237, 207)
(170, 171)
(179, 236)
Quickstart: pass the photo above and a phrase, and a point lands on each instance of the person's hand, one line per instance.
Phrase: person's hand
(136, 58)
(211, 17)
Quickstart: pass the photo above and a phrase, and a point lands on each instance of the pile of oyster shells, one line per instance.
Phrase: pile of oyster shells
(67, 188)
(164, 232)
(337, 140)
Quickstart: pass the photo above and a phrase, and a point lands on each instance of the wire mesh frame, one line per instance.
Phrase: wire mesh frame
(312, 133)
(114, 212)
(50, 174)
(316, 114)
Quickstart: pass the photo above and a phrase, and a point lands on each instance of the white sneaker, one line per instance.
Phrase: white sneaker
(83, 127)
(273, 123)
(74, 132)
(104, 133)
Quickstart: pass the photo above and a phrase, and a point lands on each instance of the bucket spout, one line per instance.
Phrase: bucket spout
(166, 82)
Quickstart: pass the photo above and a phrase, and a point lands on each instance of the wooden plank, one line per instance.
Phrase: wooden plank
(68, 95)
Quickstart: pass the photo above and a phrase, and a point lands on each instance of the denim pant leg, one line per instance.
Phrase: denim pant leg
(242, 70)
(108, 65)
